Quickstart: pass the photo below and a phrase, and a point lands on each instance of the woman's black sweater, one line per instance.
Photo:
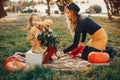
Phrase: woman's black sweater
(83, 27)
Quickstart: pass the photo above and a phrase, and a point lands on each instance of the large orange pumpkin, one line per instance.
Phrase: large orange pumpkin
(13, 64)
(98, 57)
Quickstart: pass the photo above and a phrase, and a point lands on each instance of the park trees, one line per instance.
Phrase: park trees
(113, 7)
(62, 3)
(2, 11)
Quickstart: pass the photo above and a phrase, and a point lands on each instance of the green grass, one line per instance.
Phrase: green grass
(13, 39)
(111, 72)
(42, 74)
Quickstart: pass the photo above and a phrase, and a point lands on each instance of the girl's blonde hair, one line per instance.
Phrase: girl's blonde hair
(72, 22)
(30, 20)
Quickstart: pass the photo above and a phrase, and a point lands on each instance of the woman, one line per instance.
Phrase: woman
(80, 26)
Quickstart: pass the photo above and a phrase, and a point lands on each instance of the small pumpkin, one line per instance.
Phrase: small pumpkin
(98, 57)
(11, 58)
(13, 64)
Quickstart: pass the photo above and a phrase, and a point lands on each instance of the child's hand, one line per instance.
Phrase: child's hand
(36, 34)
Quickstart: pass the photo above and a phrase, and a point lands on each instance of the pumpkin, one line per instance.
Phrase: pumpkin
(12, 58)
(13, 64)
(98, 57)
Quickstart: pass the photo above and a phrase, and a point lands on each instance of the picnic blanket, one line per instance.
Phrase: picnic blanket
(67, 63)
(63, 63)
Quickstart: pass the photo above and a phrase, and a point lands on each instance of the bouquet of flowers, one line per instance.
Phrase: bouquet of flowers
(48, 38)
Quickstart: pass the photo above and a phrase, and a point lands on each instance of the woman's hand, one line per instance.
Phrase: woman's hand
(60, 53)
(81, 44)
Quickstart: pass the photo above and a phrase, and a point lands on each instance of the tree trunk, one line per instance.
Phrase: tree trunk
(48, 5)
(2, 11)
(108, 10)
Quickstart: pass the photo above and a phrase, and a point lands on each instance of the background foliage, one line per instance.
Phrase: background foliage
(97, 8)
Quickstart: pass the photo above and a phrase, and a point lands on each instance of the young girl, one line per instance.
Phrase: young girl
(80, 26)
(33, 33)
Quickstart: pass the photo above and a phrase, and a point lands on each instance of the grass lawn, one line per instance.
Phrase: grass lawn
(13, 34)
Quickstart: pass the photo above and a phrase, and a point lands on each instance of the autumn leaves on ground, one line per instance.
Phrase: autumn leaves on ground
(13, 34)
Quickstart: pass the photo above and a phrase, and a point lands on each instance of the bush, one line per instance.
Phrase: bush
(97, 8)
(9, 9)
(28, 11)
